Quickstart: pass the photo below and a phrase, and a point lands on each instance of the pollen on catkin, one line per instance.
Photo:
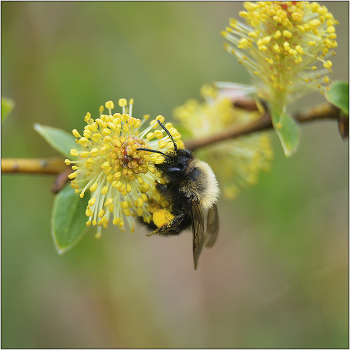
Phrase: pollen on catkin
(280, 44)
(119, 178)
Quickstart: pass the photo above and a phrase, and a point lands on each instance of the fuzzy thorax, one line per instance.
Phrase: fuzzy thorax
(205, 185)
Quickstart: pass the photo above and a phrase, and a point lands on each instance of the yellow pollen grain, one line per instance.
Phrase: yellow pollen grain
(104, 148)
(124, 117)
(276, 48)
(162, 144)
(146, 186)
(160, 118)
(76, 133)
(109, 178)
(101, 213)
(153, 123)
(122, 102)
(328, 64)
(84, 154)
(150, 136)
(95, 137)
(116, 184)
(74, 153)
(277, 34)
(315, 6)
(299, 49)
(296, 16)
(104, 190)
(92, 201)
(106, 131)
(93, 188)
(109, 105)
(116, 221)
(139, 179)
(158, 134)
(117, 175)
(124, 204)
(105, 165)
(100, 122)
(73, 175)
(108, 202)
(315, 23)
(87, 133)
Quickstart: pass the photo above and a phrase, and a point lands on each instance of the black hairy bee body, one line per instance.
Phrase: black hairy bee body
(192, 191)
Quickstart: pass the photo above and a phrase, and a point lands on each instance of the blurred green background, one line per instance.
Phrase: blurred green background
(278, 274)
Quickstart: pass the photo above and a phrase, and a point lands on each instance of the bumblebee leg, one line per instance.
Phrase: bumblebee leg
(171, 228)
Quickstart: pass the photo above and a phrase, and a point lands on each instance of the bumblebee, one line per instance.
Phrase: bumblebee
(192, 191)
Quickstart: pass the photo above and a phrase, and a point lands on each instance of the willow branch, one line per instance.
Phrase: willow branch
(57, 165)
(320, 112)
(33, 166)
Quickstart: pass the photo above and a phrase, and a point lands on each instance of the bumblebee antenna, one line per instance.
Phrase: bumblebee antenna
(153, 151)
(167, 131)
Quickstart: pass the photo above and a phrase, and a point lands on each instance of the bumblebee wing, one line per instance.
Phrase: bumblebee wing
(197, 230)
(212, 226)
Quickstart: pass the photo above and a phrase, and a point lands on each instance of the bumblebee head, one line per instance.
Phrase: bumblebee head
(175, 162)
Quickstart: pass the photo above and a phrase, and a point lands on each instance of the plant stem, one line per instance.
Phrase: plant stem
(33, 166)
(320, 112)
(57, 165)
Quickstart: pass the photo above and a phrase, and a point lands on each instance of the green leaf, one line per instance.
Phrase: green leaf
(68, 222)
(338, 95)
(287, 130)
(6, 107)
(59, 139)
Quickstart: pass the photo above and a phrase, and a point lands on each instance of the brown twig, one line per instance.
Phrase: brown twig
(320, 112)
(33, 166)
(57, 165)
